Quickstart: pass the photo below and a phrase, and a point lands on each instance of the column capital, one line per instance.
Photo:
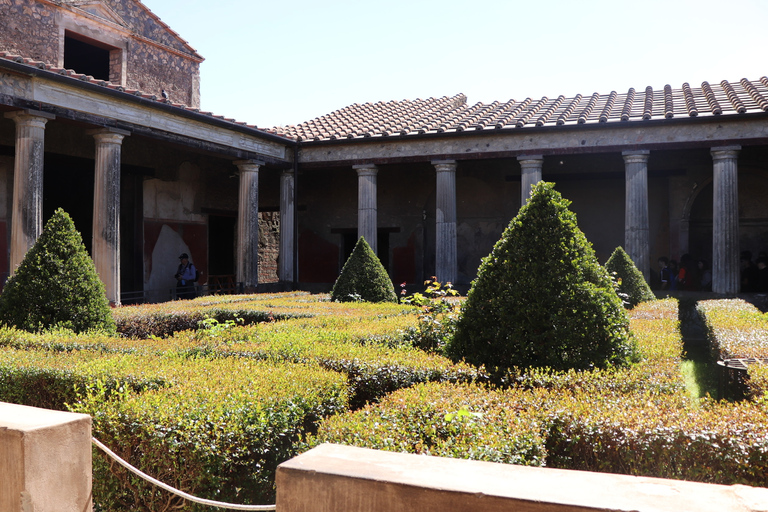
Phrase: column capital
(533, 158)
(444, 165)
(366, 169)
(724, 152)
(30, 117)
(248, 165)
(108, 135)
(636, 156)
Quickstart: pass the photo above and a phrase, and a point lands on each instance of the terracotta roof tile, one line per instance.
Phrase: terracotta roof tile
(407, 118)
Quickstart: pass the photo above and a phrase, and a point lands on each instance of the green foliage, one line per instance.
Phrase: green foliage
(738, 330)
(448, 420)
(541, 298)
(363, 277)
(439, 312)
(56, 285)
(213, 411)
(630, 282)
(217, 428)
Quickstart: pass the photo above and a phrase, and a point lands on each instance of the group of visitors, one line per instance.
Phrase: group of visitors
(688, 275)
(695, 275)
(754, 274)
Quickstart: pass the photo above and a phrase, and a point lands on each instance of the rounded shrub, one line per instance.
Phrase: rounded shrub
(363, 277)
(541, 299)
(630, 282)
(56, 284)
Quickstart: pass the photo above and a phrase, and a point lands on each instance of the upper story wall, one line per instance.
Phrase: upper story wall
(117, 40)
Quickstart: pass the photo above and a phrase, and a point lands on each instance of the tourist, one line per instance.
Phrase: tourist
(748, 273)
(185, 278)
(665, 275)
(705, 276)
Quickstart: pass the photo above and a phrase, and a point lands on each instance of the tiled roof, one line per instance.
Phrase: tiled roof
(132, 92)
(453, 114)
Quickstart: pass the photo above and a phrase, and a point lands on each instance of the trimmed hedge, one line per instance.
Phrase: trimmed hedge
(464, 421)
(56, 284)
(637, 421)
(363, 277)
(738, 330)
(375, 365)
(632, 287)
(541, 299)
(214, 428)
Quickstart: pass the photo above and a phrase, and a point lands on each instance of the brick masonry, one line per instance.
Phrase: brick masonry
(156, 58)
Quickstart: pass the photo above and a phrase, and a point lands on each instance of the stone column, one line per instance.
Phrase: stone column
(530, 174)
(725, 220)
(105, 249)
(446, 267)
(27, 210)
(636, 238)
(248, 225)
(367, 224)
(287, 212)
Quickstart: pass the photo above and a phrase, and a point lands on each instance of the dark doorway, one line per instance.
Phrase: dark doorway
(85, 57)
(221, 245)
(68, 184)
(349, 240)
(131, 232)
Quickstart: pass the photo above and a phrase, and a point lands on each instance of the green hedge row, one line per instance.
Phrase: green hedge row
(636, 421)
(162, 320)
(738, 330)
(374, 364)
(214, 428)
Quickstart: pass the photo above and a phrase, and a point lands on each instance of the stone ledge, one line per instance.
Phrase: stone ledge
(332, 477)
(45, 460)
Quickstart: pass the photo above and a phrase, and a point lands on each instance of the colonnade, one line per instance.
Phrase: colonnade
(725, 239)
(26, 222)
(27, 204)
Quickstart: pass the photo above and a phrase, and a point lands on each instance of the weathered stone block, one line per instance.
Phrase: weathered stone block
(45, 460)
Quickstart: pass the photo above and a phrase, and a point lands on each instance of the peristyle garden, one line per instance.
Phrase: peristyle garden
(209, 395)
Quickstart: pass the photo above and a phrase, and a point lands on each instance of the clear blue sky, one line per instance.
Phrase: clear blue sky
(271, 63)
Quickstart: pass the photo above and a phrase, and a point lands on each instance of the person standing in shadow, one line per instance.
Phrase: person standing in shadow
(185, 278)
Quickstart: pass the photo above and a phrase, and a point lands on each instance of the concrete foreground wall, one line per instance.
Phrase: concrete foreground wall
(341, 478)
(45, 460)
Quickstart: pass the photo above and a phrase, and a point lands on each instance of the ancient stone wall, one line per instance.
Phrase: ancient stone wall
(145, 24)
(269, 246)
(155, 58)
(28, 28)
(152, 69)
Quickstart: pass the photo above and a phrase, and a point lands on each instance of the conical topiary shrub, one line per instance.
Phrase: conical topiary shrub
(56, 284)
(363, 277)
(631, 283)
(541, 299)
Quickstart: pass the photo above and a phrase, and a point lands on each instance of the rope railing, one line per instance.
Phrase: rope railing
(202, 501)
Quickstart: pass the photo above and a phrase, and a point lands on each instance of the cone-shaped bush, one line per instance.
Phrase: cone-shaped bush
(56, 284)
(363, 277)
(541, 299)
(631, 283)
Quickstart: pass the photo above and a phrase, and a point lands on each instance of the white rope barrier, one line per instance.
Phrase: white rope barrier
(177, 492)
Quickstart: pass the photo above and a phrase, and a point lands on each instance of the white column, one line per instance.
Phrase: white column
(287, 212)
(27, 212)
(367, 223)
(725, 220)
(446, 267)
(248, 225)
(636, 238)
(530, 174)
(105, 249)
